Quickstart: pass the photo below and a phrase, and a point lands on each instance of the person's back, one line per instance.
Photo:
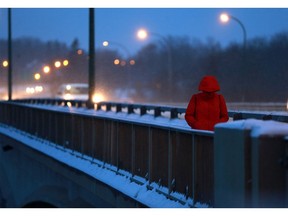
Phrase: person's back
(207, 108)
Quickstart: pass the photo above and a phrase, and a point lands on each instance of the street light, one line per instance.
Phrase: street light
(46, 69)
(5, 63)
(224, 17)
(107, 43)
(65, 62)
(143, 34)
(57, 64)
(37, 76)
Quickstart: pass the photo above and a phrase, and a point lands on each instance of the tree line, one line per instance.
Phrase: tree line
(163, 72)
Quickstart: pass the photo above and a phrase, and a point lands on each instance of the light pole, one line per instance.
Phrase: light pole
(91, 69)
(224, 17)
(9, 55)
(143, 34)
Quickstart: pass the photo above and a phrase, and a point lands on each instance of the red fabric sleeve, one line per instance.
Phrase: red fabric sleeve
(190, 112)
(223, 110)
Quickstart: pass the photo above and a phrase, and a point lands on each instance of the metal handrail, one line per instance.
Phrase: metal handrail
(157, 110)
(135, 146)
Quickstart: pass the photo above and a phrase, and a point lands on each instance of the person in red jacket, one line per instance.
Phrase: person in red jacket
(206, 108)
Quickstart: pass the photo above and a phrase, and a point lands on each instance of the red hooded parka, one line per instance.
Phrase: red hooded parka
(206, 108)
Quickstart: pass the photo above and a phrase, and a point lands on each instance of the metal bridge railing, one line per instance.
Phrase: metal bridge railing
(172, 160)
(156, 110)
(177, 162)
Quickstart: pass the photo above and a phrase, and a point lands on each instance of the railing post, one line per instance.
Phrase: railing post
(133, 150)
(157, 112)
(170, 181)
(173, 113)
(149, 154)
(118, 107)
(130, 109)
(143, 110)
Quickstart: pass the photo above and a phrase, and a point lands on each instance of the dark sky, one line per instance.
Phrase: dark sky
(119, 25)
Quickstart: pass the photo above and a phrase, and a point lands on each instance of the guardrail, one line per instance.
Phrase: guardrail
(156, 110)
(176, 161)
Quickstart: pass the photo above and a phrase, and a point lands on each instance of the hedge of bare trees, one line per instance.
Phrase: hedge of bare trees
(257, 72)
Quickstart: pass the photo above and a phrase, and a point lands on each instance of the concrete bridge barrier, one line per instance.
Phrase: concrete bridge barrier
(250, 159)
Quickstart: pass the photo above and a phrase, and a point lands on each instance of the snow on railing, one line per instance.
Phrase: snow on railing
(172, 112)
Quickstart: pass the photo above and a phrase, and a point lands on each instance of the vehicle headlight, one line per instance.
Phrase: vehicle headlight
(68, 97)
(98, 97)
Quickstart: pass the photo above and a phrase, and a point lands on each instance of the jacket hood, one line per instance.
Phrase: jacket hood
(209, 84)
